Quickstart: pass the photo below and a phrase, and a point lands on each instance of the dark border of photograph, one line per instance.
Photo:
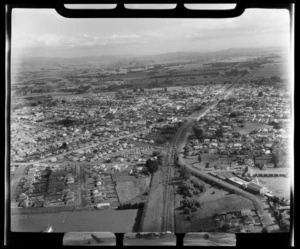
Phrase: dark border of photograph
(56, 239)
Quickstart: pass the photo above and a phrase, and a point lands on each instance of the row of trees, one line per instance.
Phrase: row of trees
(190, 188)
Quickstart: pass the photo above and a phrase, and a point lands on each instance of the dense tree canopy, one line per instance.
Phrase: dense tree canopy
(219, 133)
(184, 173)
(152, 165)
(198, 132)
(190, 202)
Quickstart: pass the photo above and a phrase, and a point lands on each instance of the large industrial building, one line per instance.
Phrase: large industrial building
(255, 188)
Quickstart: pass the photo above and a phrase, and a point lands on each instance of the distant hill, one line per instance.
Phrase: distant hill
(129, 59)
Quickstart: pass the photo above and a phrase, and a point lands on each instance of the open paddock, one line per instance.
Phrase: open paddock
(126, 191)
(213, 201)
(251, 126)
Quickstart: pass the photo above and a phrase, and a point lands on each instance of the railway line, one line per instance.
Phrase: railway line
(172, 155)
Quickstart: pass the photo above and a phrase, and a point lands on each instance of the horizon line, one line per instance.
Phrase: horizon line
(148, 55)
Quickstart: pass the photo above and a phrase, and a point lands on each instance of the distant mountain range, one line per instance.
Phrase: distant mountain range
(119, 60)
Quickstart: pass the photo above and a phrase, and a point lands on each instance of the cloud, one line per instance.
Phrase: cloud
(33, 30)
(81, 40)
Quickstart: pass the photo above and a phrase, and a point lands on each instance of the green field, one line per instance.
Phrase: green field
(126, 191)
(212, 201)
(251, 126)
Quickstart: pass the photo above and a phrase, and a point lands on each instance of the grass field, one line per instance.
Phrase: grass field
(251, 126)
(126, 191)
(213, 201)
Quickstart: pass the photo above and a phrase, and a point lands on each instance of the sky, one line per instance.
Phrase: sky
(43, 32)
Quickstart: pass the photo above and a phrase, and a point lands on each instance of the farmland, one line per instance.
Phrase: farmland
(273, 69)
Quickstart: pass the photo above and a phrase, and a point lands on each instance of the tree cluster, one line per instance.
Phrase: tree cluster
(275, 159)
(153, 164)
(233, 115)
(188, 189)
(284, 223)
(184, 173)
(198, 132)
(190, 204)
(219, 132)
(198, 184)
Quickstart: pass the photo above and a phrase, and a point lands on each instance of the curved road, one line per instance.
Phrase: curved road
(178, 143)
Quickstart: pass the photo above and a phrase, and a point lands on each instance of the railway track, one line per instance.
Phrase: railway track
(173, 152)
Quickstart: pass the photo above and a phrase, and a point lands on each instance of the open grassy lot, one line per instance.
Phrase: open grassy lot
(213, 201)
(251, 126)
(126, 191)
(129, 187)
